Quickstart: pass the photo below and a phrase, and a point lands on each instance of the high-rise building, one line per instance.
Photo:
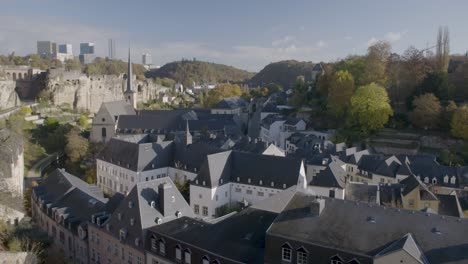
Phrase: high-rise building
(47, 49)
(65, 48)
(65, 52)
(146, 58)
(87, 52)
(86, 48)
(112, 48)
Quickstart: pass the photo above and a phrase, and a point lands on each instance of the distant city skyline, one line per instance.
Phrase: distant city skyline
(243, 34)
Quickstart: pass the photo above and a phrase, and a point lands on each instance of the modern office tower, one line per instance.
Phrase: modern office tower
(146, 59)
(86, 48)
(65, 48)
(47, 49)
(112, 48)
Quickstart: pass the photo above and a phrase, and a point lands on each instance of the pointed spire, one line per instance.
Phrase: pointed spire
(188, 136)
(129, 73)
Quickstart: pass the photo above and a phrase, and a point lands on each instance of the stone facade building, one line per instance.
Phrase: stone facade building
(11, 163)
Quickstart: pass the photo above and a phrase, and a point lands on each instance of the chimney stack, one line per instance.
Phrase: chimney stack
(165, 199)
(317, 206)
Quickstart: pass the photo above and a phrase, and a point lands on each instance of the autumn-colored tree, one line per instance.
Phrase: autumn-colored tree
(376, 63)
(76, 146)
(340, 91)
(427, 111)
(73, 65)
(356, 65)
(221, 91)
(448, 115)
(442, 50)
(370, 107)
(414, 69)
(460, 122)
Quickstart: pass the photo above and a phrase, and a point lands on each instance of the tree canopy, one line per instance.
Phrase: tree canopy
(370, 107)
(427, 111)
(340, 91)
(460, 122)
(220, 92)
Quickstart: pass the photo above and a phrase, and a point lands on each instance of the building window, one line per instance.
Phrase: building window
(178, 253)
(153, 243)
(205, 211)
(336, 260)
(98, 239)
(139, 260)
(130, 257)
(301, 256)
(104, 132)
(238, 190)
(248, 191)
(205, 260)
(260, 194)
(187, 256)
(162, 247)
(196, 209)
(453, 180)
(286, 253)
(434, 181)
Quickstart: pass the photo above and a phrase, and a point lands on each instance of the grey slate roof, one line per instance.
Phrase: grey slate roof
(137, 206)
(332, 176)
(362, 192)
(75, 199)
(233, 165)
(344, 225)
(449, 205)
(409, 245)
(240, 237)
(231, 103)
(118, 108)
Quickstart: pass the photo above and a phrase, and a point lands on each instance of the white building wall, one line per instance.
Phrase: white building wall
(152, 259)
(325, 191)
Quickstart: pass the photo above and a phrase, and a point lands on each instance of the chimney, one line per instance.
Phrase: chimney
(166, 199)
(317, 206)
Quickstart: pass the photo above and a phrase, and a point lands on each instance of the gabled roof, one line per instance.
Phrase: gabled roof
(408, 244)
(137, 207)
(345, 225)
(362, 192)
(249, 168)
(333, 176)
(118, 108)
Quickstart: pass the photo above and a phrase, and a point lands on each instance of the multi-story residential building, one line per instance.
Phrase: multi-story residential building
(61, 205)
(309, 141)
(128, 160)
(47, 49)
(276, 128)
(232, 106)
(230, 178)
(325, 230)
(120, 237)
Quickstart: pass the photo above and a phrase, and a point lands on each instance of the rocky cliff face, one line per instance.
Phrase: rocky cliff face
(8, 96)
(89, 92)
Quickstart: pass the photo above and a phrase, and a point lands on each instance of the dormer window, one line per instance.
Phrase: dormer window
(205, 260)
(286, 253)
(426, 180)
(238, 179)
(446, 179)
(272, 184)
(336, 260)
(301, 256)
(248, 180)
(453, 180)
(260, 182)
(187, 256)
(122, 234)
(178, 253)
(132, 221)
(162, 247)
(434, 181)
(284, 185)
(153, 242)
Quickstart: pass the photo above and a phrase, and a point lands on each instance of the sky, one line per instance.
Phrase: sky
(247, 34)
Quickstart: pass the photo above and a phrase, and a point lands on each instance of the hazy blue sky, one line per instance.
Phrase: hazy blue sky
(245, 34)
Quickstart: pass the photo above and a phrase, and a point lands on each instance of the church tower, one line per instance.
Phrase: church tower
(129, 94)
(188, 136)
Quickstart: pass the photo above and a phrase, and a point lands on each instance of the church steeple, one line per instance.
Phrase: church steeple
(188, 136)
(130, 95)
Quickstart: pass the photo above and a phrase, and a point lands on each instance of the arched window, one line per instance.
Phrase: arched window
(446, 179)
(103, 132)
(426, 180)
(20, 76)
(434, 180)
(162, 247)
(178, 253)
(301, 256)
(187, 256)
(153, 243)
(14, 76)
(205, 260)
(286, 252)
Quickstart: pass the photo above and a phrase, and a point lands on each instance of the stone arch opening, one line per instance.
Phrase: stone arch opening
(20, 76)
(14, 76)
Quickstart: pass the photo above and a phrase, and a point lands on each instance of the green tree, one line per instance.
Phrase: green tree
(73, 65)
(370, 107)
(299, 95)
(220, 92)
(460, 122)
(76, 146)
(427, 111)
(356, 65)
(437, 83)
(83, 121)
(340, 91)
(448, 114)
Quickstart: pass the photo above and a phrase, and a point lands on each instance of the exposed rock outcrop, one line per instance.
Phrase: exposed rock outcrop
(8, 96)
(89, 92)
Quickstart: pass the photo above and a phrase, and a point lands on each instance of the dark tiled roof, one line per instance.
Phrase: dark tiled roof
(137, 207)
(231, 103)
(449, 205)
(408, 244)
(270, 108)
(117, 108)
(345, 225)
(332, 176)
(240, 237)
(250, 169)
(361, 192)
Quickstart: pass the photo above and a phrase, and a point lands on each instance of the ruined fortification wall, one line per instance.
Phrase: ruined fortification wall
(89, 92)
